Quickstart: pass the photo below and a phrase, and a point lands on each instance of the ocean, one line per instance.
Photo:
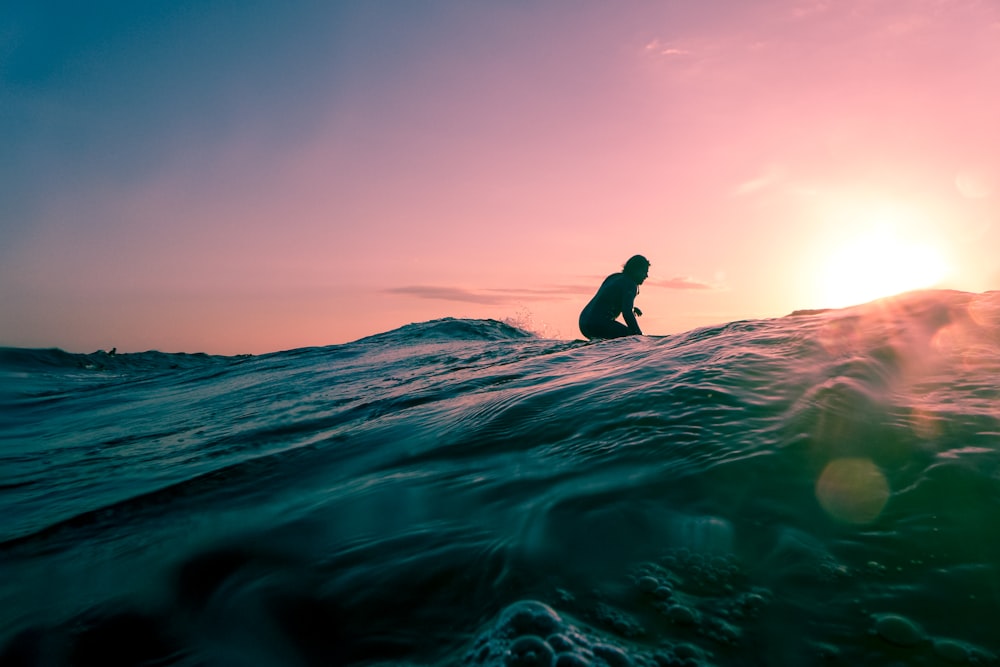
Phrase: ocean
(816, 489)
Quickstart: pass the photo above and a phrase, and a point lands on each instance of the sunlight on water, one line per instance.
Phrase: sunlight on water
(926, 424)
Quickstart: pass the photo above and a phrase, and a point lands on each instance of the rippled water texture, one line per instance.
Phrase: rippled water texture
(816, 489)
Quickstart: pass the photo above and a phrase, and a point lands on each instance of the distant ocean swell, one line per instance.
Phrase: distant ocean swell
(822, 488)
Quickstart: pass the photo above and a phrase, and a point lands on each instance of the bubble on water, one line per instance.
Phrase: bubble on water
(529, 617)
(721, 631)
(685, 651)
(852, 490)
(898, 630)
(951, 650)
(663, 593)
(959, 652)
(681, 615)
(560, 643)
(515, 640)
(506, 642)
(571, 660)
(693, 572)
(529, 651)
(648, 584)
(614, 656)
(617, 620)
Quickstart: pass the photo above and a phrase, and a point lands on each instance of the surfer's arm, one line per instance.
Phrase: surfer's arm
(633, 326)
(629, 314)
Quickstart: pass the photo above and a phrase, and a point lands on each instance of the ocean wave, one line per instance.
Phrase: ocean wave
(448, 329)
(27, 360)
(816, 487)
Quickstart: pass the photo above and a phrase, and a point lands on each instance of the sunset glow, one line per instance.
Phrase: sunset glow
(879, 263)
(244, 177)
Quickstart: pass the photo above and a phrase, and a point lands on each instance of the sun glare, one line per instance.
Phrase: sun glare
(879, 263)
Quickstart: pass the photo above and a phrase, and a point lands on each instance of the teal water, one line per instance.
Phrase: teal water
(821, 488)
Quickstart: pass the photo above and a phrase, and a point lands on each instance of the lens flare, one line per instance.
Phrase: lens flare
(852, 490)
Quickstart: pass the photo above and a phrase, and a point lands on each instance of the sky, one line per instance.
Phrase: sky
(238, 177)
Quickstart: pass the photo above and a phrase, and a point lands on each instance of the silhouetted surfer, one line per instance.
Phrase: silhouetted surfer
(614, 298)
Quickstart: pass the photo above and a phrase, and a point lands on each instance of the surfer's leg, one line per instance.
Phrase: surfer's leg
(617, 330)
(613, 329)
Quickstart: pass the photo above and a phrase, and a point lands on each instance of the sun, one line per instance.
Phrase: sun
(876, 263)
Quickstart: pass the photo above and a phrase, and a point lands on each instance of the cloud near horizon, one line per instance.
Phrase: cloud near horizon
(500, 296)
(679, 283)
(489, 297)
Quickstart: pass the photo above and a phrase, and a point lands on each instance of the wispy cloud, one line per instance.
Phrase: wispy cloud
(679, 283)
(544, 292)
(488, 296)
(448, 294)
(771, 176)
(500, 296)
(659, 48)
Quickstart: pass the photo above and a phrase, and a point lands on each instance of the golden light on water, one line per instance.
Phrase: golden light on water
(852, 490)
(926, 425)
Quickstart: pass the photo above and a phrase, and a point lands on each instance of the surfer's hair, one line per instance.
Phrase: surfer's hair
(635, 264)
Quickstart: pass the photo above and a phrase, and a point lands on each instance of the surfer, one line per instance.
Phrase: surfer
(614, 298)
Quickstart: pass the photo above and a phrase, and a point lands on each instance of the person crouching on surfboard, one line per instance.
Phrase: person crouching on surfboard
(614, 298)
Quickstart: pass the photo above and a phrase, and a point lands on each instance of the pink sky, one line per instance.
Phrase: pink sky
(247, 180)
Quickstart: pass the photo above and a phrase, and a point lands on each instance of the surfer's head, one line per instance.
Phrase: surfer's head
(637, 268)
